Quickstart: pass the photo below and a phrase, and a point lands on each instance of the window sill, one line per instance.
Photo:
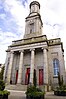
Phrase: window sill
(55, 76)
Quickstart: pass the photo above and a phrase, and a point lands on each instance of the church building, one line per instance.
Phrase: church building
(34, 52)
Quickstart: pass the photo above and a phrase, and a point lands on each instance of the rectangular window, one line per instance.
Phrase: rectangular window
(31, 27)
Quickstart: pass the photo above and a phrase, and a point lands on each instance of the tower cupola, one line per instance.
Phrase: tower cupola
(34, 7)
(33, 22)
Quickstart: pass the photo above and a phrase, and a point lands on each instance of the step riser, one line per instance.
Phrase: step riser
(16, 87)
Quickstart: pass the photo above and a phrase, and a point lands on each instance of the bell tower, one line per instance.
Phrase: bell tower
(33, 22)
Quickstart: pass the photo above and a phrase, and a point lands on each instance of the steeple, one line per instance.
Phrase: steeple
(33, 22)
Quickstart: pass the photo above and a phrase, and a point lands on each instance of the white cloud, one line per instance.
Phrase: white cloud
(17, 10)
(53, 15)
(6, 39)
(13, 20)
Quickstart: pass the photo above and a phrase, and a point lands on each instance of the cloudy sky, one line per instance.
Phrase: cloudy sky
(12, 21)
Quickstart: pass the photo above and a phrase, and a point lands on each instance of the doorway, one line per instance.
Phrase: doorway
(27, 76)
(16, 76)
(40, 76)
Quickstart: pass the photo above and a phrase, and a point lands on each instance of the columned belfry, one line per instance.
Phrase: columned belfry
(34, 52)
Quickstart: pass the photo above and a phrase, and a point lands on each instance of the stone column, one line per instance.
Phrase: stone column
(10, 68)
(20, 68)
(6, 64)
(45, 66)
(32, 66)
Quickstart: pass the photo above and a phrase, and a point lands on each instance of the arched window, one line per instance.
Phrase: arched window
(56, 66)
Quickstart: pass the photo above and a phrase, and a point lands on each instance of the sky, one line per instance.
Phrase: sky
(12, 21)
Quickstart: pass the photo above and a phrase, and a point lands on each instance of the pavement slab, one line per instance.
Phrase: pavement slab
(21, 95)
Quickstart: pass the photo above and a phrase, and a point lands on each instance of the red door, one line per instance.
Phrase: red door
(40, 76)
(16, 76)
(27, 77)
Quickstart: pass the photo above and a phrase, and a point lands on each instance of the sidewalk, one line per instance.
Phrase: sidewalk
(50, 95)
(21, 95)
(17, 94)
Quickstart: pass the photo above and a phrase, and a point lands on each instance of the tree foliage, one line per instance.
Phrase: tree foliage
(60, 80)
(1, 73)
(34, 78)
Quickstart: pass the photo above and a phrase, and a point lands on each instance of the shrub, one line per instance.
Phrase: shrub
(34, 78)
(4, 92)
(1, 73)
(61, 90)
(2, 85)
(32, 91)
(60, 80)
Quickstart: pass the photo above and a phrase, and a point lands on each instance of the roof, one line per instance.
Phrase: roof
(35, 2)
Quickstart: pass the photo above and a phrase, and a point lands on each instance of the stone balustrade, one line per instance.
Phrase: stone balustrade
(54, 41)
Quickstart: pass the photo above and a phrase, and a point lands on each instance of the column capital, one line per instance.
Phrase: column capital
(32, 49)
(12, 52)
(21, 51)
(45, 48)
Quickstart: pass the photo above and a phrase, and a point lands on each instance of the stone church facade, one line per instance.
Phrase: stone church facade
(34, 52)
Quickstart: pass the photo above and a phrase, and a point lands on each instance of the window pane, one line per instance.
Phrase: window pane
(31, 27)
(54, 72)
(56, 66)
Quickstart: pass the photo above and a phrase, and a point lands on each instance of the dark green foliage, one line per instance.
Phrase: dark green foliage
(34, 92)
(61, 90)
(60, 93)
(34, 78)
(31, 89)
(2, 85)
(3, 93)
(1, 73)
(60, 80)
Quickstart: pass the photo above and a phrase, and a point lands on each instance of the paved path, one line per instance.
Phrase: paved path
(50, 95)
(21, 95)
(17, 95)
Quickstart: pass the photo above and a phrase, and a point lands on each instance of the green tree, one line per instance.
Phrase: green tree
(1, 73)
(34, 78)
(60, 80)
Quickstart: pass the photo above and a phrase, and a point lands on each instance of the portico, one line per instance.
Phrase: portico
(24, 71)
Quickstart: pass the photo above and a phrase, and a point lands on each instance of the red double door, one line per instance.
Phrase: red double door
(16, 76)
(40, 76)
(27, 76)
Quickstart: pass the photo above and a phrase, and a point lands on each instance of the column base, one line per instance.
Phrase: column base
(47, 88)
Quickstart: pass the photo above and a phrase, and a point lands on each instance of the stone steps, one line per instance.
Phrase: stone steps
(16, 87)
